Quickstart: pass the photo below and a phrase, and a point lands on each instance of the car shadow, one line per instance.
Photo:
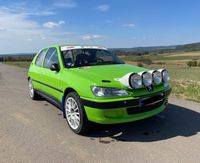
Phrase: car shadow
(174, 121)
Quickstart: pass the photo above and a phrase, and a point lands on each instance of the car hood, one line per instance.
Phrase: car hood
(102, 74)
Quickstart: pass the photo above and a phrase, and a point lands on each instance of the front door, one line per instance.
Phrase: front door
(51, 79)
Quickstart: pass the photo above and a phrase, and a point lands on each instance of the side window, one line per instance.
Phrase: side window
(51, 57)
(40, 58)
(68, 58)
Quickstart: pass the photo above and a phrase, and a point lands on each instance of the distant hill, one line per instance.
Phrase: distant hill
(127, 51)
(18, 54)
(157, 49)
(146, 48)
(189, 47)
(17, 57)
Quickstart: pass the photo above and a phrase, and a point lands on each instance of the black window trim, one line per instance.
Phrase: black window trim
(62, 58)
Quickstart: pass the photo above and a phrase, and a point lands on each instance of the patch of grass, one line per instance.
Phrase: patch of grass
(189, 90)
(163, 57)
(24, 64)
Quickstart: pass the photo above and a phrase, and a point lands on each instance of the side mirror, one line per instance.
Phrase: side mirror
(55, 67)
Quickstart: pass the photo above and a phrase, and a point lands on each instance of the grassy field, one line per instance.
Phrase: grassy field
(185, 81)
(166, 57)
(24, 64)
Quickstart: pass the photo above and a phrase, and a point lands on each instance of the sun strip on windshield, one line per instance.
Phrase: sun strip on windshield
(63, 48)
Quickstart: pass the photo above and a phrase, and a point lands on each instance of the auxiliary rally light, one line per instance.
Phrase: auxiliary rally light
(145, 78)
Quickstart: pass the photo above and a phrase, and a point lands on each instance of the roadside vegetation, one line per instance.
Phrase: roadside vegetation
(17, 60)
(24, 64)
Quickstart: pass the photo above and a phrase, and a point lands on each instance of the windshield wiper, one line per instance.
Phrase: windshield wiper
(99, 63)
(110, 62)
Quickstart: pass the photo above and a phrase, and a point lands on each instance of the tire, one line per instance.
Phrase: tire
(75, 114)
(32, 93)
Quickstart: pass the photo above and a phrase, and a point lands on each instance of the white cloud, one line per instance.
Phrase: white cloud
(52, 25)
(41, 13)
(27, 10)
(103, 7)
(91, 37)
(65, 3)
(20, 34)
(131, 25)
(62, 33)
(43, 38)
(2, 29)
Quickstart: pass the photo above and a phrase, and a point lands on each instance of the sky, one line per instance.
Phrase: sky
(29, 25)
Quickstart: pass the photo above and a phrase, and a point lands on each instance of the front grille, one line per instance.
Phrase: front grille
(147, 104)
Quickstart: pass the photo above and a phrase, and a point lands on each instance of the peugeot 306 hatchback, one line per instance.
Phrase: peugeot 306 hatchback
(91, 84)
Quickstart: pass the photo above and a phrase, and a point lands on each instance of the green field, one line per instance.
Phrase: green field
(24, 64)
(166, 57)
(185, 81)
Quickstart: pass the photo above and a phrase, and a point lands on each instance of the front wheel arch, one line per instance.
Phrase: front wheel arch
(87, 125)
(66, 92)
(84, 125)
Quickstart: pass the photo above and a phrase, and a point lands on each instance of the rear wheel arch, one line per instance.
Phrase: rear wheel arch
(32, 92)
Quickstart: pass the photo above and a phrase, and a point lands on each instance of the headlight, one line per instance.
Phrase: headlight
(147, 79)
(157, 77)
(108, 92)
(135, 81)
(165, 76)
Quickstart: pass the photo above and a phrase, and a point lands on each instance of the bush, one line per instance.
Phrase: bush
(161, 63)
(199, 64)
(146, 61)
(192, 63)
(139, 64)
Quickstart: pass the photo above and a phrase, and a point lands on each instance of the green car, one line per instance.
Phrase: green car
(91, 84)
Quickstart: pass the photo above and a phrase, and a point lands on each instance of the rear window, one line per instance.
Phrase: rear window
(40, 58)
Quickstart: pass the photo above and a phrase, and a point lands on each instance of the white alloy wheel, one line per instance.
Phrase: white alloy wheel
(72, 113)
(31, 89)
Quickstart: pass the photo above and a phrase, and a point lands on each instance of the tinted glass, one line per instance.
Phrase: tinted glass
(51, 57)
(89, 57)
(40, 58)
(68, 58)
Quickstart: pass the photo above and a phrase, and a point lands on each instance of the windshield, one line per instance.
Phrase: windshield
(89, 57)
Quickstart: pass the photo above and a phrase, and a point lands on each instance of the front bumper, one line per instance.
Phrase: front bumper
(126, 110)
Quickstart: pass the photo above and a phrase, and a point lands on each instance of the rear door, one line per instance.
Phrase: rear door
(36, 71)
(51, 79)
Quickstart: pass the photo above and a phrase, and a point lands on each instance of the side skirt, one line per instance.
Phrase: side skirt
(50, 99)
